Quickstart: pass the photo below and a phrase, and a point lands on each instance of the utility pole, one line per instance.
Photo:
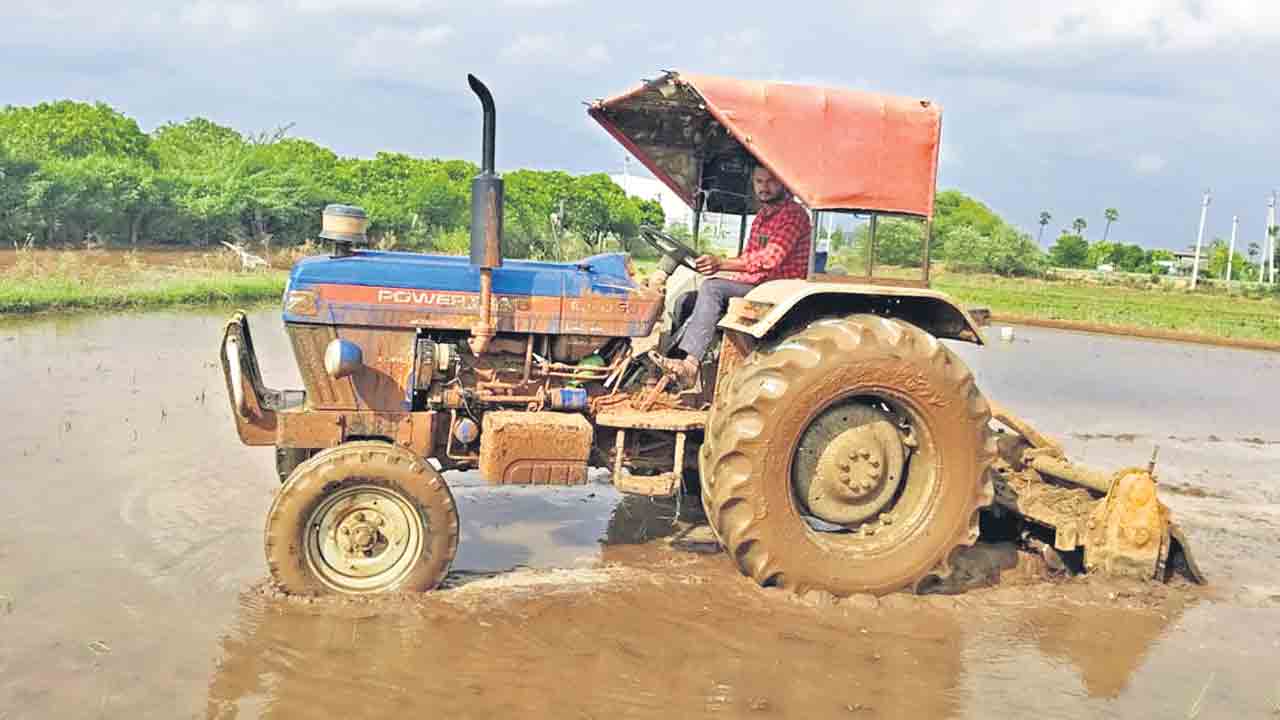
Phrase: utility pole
(1195, 266)
(1231, 251)
(1269, 243)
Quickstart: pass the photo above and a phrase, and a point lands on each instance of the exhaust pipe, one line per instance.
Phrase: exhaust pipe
(486, 221)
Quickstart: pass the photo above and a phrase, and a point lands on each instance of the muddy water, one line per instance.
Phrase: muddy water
(131, 570)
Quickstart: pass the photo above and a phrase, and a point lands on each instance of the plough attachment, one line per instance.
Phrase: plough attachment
(1113, 524)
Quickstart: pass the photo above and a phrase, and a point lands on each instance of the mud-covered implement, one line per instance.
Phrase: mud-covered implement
(1115, 521)
(836, 442)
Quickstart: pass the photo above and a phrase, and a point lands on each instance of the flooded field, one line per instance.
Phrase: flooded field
(132, 579)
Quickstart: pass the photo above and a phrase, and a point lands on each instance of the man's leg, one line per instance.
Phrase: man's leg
(713, 298)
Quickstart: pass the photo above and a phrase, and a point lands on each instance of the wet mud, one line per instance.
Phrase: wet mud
(132, 582)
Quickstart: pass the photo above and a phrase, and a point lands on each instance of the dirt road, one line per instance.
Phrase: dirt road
(131, 566)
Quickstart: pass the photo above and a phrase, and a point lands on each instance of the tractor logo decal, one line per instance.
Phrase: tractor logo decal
(428, 297)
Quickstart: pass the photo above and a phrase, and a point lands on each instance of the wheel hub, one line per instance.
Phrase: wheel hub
(858, 470)
(362, 533)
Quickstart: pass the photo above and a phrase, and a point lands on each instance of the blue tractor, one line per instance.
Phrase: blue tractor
(834, 441)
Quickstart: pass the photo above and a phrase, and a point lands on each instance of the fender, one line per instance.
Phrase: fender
(776, 302)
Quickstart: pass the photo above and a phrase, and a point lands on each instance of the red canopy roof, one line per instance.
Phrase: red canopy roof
(833, 148)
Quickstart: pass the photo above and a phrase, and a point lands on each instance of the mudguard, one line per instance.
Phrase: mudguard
(770, 303)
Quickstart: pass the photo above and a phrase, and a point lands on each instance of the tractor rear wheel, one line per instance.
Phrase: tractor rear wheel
(851, 456)
(361, 518)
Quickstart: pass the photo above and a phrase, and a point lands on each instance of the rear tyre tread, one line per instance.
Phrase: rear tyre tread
(731, 502)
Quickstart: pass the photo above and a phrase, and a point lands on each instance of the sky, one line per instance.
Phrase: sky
(1070, 106)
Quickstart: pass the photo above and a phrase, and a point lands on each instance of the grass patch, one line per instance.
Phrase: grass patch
(76, 280)
(1220, 315)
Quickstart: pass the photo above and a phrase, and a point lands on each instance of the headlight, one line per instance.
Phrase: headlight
(342, 358)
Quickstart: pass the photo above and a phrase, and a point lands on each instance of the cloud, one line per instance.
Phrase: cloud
(398, 52)
(1149, 164)
(237, 17)
(1158, 25)
(553, 48)
(538, 4)
(365, 7)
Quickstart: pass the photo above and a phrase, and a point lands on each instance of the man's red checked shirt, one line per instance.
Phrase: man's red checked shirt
(779, 245)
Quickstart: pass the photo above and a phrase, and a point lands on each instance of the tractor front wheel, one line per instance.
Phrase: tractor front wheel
(851, 456)
(361, 518)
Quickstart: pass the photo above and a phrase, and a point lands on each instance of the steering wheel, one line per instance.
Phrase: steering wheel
(668, 246)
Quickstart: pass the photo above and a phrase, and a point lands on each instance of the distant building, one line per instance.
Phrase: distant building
(1184, 261)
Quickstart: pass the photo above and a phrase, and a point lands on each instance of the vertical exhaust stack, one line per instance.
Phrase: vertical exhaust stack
(486, 222)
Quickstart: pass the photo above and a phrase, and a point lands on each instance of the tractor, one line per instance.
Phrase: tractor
(833, 439)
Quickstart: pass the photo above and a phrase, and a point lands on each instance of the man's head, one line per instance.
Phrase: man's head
(768, 189)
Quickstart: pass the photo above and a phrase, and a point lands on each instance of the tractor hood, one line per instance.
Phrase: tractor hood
(595, 296)
(835, 149)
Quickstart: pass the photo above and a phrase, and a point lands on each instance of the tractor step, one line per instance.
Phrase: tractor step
(674, 420)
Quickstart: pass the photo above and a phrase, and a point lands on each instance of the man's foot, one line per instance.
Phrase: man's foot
(684, 370)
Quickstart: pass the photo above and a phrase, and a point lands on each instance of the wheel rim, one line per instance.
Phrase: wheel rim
(364, 539)
(864, 474)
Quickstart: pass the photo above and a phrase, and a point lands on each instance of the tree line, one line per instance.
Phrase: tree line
(73, 173)
(1073, 250)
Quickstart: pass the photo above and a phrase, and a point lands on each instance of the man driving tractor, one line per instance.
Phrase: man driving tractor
(778, 249)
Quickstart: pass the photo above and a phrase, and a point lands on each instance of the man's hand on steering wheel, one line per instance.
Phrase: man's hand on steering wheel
(707, 264)
(677, 252)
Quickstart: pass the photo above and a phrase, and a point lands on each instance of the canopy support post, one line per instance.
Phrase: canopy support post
(871, 244)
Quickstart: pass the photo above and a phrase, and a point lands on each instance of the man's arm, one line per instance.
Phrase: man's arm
(763, 259)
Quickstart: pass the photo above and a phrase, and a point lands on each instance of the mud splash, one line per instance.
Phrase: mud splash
(132, 567)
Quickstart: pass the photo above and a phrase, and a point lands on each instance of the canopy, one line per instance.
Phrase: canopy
(833, 148)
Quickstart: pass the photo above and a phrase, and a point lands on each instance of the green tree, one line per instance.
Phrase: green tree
(15, 174)
(1079, 225)
(651, 213)
(69, 129)
(1045, 217)
(1100, 252)
(89, 170)
(1069, 251)
(417, 201)
(1004, 252)
(1218, 253)
(1131, 258)
(1112, 215)
(953, 209)
(598, 209)
(1158, 256)
(899, 242)
(194, 157)
(534, 212)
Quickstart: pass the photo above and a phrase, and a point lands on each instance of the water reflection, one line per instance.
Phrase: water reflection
(652, 645)
(657, 632)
